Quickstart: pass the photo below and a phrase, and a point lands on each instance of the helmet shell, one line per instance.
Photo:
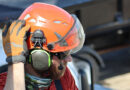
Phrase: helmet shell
(52, 20)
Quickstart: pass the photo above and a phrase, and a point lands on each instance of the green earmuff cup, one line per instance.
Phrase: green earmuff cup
(39, 58)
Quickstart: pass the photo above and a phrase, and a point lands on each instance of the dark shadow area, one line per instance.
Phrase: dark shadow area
(3, 68)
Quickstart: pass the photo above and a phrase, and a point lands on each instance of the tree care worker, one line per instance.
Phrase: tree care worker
(43, 38)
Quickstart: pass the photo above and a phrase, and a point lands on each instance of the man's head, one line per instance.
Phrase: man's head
(54, 33)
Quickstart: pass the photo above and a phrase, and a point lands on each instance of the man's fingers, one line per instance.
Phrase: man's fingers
(6, 30)
(19, 25)
(11, 28)
(24, 30)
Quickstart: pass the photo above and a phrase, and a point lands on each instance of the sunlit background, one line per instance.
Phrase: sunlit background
(2, 54)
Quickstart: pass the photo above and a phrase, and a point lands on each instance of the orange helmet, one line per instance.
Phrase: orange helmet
(62, 30)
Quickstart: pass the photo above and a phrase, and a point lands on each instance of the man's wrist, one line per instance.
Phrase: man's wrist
(16, 59)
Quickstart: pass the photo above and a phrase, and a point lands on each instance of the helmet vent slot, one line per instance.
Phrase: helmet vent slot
(57, 22)
(32, 20)
(27, 16)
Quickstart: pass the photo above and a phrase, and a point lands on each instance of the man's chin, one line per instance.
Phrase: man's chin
(56, 76)
(56, 73)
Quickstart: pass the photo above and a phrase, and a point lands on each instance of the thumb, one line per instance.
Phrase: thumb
(24, 30)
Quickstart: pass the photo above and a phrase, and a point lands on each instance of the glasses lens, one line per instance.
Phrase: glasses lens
(62, 55)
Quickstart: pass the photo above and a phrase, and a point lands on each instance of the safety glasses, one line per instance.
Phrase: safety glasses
(62, 55)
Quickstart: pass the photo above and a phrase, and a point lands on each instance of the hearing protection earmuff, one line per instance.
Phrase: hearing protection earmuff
(40, 59)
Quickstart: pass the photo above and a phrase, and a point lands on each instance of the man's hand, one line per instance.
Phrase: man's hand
(14, 46)
(14, 41)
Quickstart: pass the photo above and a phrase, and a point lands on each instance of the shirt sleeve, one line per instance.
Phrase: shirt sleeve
(2, 80)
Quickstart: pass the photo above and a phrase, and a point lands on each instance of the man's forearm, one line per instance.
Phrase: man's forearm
(15, 78)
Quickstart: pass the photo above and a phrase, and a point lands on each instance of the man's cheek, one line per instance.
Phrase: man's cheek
(55, 63)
